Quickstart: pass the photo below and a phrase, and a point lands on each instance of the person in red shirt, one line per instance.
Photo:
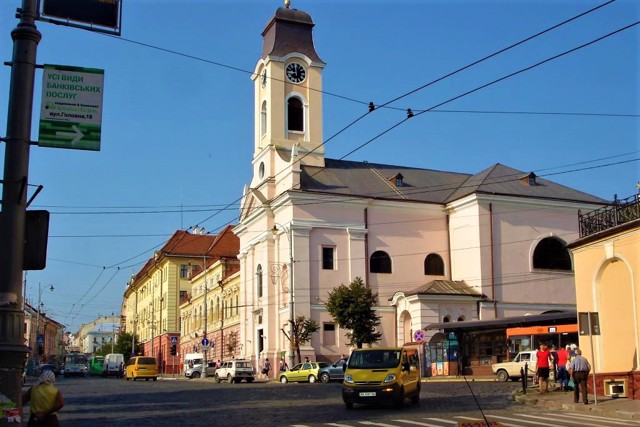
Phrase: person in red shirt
(543, 357)
(563, 374)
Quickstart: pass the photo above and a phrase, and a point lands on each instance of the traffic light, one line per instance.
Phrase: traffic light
(174, 350)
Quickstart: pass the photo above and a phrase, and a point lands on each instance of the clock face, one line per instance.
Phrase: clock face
(295, 72)
(263, 78)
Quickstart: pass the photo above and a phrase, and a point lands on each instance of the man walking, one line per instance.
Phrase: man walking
(579, 370)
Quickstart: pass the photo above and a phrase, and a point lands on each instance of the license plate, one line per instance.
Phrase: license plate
(367, 394)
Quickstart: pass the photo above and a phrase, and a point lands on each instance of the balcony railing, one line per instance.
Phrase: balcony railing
(619, 212)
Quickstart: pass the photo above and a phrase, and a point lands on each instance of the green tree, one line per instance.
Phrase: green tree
(302, 328)
(122, 345)
(352, 307)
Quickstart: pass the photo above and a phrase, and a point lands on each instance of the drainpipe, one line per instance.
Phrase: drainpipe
(366, 247)
(493, 280)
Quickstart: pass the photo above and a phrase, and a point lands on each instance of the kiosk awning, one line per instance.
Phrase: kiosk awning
(508, 322)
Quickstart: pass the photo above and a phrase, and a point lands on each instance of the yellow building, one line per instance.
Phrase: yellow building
(153, 296)
(216, 320)
(607, 267)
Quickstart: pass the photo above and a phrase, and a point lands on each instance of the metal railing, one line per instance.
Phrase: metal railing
(619, 212)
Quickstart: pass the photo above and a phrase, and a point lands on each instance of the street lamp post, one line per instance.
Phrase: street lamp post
(38, 308)
(133, 335)
(292, 319)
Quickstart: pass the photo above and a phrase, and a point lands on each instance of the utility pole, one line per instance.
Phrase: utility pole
(14, 200)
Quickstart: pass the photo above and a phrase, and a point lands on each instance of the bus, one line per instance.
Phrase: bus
(96, 365)
(75, 364)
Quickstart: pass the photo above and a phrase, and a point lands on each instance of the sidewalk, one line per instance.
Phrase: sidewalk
(606, 406)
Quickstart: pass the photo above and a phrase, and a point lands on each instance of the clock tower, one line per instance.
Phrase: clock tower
(288, 102)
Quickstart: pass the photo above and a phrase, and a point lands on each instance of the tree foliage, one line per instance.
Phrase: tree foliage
(303, 328)
(122, 345)
(353, 308)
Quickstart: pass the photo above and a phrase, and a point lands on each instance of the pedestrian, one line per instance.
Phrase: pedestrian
(283, 365)
(543, 359)
(306, 359)
(45, 400)
(554, 366)
(563, 374)
(579, 370)
(266, 367)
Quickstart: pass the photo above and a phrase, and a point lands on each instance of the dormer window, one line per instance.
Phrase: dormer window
(398, 180)
(530, 179)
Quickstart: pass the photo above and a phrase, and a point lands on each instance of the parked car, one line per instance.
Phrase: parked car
(141, 367)
(332, 372)
(235, 371)
(512, 370)
(196, 370)
(302, 372)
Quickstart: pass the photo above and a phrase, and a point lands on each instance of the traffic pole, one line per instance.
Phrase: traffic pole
(14, 197)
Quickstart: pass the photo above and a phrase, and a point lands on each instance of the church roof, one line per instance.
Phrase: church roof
(445, 287)
(378, 181)
(289, 30)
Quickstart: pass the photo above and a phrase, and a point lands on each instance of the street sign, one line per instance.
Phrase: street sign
(204, 341)
(174, 340)
(205, 348)
(418, 336)
(40, 339)
(71, 109)
(103, 13)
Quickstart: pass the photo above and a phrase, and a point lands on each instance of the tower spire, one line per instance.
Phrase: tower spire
(287, 3)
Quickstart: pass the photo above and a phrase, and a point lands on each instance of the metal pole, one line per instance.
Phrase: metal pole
(113, 332)
(204, 359)
(291, 308)
(593, 361)
(14, 197)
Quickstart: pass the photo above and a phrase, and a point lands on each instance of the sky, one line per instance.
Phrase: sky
(177, 125)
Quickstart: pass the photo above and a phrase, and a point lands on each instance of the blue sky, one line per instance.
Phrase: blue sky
(178, 134)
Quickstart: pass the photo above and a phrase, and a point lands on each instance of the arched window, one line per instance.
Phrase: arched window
(380, 262)
(259, 281)
(433, 265)
(263, 119)
(295, 114)
(552, 254)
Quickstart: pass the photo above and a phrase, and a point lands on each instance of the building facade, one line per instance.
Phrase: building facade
(607, 265)
(152, 298)
(434, 245)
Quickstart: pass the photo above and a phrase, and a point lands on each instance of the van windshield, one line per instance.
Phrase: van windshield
(372, 359)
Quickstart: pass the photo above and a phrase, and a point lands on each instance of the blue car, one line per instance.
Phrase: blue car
(332, 372)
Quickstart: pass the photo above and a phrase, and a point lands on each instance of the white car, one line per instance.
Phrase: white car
(512, 370)
(235, 371)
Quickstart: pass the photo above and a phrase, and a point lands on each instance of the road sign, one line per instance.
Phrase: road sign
(418, 336)
(40, 339)
(105, 13)
(71, 109)
(205, 348)
(204, 341)
(174, 340)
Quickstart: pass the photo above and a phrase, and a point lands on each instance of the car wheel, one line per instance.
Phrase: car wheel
(218, 379)
(155, 379)
(325, 378)
(312, 379)
(249, 380)
(195, 375)
(284, 379)
(502, 375)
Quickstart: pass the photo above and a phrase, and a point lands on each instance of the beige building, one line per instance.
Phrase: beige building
(152, 298)
(607, 267)
(212, 311)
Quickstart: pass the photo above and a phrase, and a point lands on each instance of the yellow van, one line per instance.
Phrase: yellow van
(382, 375)
(141, 367)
